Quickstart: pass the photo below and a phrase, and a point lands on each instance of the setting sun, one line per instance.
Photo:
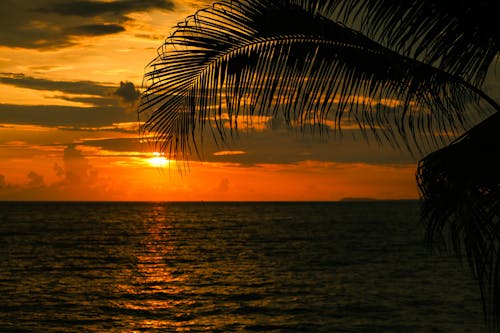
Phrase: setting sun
(158, 161)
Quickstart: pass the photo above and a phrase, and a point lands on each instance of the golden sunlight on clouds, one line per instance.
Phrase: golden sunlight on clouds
(85, 173)
(229, 152)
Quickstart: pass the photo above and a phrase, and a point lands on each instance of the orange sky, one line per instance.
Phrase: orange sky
(70, 73)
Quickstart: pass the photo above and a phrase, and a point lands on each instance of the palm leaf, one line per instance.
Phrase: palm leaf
(460, 187)
(459, 37)
(274, 58)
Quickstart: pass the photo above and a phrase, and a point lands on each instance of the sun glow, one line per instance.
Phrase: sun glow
(158, 160)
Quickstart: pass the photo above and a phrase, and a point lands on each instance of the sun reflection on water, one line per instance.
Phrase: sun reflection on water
(154, 293)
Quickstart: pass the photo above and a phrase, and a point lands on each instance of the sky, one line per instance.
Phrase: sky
(71, 73)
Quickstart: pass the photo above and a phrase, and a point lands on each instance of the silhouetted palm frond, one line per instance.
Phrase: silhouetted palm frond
(460, 37)
(270, 58)
(460, 187)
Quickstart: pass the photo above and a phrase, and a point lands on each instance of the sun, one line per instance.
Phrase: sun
(158, 160)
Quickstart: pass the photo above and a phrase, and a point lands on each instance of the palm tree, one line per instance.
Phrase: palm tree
(409, 72)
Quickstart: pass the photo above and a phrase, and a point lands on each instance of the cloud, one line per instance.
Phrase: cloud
(223, 185)
(128, 96)
(90, 101)
(271, 143)
(229, 152)
(35, 180)
(127, 92)
(55, 24)
(127, 128)
(104, 103)
(276, 147)
(96, 93)
(58, 170)
(97, 29)
(286, 147)
(98, 8)
(78, 180)
(102, 95)
(54, 116)
(123, 145)
(76, 167)
(70, 87)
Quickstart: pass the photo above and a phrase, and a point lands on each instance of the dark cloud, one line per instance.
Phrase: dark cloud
(127, 92)
(53, 116)
(70, 87)
(35, 180)
(276, 148)
(97, 29)
(76, 167)
(285, 147)
(79, 181)
(103, 95)
(94, 101)
(157, 37)
(54, 24)
(98, 8)
(58, 170)
(122, 145)
(108, 104)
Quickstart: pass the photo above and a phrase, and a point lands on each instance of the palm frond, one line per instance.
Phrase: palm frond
(459, 37)
(460, 187)
(270, 58)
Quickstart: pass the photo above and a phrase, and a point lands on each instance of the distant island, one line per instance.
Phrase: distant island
(358, 199)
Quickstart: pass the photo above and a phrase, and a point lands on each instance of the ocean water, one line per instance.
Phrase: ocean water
(227, 267)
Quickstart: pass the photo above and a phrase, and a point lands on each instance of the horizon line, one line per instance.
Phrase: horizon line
(343, 200)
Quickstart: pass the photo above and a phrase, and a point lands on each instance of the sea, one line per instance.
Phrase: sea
(228, 267)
